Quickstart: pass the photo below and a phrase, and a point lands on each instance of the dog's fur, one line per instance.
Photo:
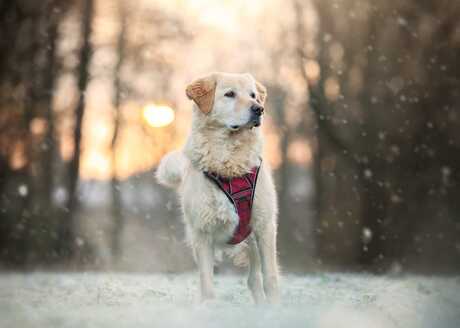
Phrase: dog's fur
(224, 139)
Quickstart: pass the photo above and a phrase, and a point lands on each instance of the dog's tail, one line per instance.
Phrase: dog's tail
(171, 169)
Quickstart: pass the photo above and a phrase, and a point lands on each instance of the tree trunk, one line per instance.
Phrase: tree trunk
(117, 214)
(67, 235)
(50, 78)
(30, 75)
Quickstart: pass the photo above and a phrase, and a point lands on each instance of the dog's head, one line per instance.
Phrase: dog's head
(235, 101)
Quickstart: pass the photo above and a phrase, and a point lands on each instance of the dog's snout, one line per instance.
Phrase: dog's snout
(257, 109)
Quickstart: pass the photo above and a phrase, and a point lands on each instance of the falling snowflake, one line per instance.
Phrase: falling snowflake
(396, 199)
(457, 247)
(368, 173)
(396, 268)
(402, 21)
(23, 190)
(396, 84)
(60, 195)
(446, 171)
(366, 235)
(79, 241)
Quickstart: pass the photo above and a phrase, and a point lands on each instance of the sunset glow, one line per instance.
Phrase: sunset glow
(158, 116)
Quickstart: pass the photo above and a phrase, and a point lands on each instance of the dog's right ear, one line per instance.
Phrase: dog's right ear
(202, 91)
(261, 93)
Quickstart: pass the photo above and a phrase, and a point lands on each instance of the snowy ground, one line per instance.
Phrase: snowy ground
(134, 300)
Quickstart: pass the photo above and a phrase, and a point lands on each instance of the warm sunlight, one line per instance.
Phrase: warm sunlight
(98, 163)
(158, 116)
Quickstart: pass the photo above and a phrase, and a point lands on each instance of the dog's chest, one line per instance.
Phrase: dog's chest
(207, 209)
(240, 192)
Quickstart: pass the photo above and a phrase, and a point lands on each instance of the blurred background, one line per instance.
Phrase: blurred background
(362, 128)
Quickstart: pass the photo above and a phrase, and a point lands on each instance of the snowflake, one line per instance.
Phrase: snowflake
(366, 235)
(368, 173)
(23, 190)
(402, 21)
(79, 241)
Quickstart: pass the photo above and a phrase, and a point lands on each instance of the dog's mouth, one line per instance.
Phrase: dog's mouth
(252, 123)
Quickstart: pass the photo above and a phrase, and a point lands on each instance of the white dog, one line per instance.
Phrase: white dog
(227, 192)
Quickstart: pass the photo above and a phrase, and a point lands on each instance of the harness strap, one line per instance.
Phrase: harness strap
(240, 192)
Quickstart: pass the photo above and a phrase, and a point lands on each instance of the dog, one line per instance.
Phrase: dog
(224, 151)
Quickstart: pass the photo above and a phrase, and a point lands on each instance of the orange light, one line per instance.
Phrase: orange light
(158, 116)
(98, 163)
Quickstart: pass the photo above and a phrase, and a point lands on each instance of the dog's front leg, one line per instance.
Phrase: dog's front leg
(255, 278)
(205, 259)
(266, 242)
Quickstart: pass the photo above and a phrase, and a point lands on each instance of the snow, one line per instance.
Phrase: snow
(23, 190)
(366, 235)
(171, 300)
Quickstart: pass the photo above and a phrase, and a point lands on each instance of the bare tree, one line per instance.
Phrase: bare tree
(67, 237)
(117, 213)
(377, 141)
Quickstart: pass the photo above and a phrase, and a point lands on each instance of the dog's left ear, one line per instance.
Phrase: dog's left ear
(261, 92)
(202, 91)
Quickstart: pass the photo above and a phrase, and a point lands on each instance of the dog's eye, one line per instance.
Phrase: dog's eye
(253, 95)
(230, 94)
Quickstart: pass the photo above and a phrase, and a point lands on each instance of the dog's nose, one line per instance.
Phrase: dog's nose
(257, 109)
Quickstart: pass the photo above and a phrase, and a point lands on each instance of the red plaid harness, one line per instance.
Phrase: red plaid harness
(240, 191)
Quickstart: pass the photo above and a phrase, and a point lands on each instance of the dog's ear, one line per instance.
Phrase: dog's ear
(261, 93)
(202, 91)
